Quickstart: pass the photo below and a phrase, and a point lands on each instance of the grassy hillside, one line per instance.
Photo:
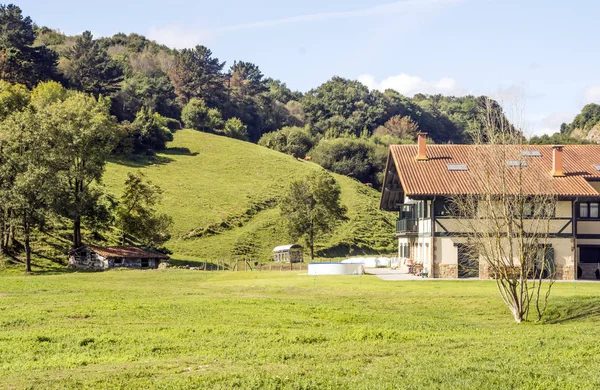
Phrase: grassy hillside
(222, 194)
(217, 330)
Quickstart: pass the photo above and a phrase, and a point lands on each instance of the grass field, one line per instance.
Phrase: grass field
(280, 330)
(222, 194)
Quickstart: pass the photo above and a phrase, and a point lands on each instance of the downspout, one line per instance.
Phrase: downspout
(432, 246)
(574, 222)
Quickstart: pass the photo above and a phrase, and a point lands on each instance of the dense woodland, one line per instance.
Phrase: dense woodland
(89, 100)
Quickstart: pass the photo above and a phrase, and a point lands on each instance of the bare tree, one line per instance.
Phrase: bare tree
(508, 220)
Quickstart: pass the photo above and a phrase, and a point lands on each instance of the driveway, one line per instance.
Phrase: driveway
(391, 274)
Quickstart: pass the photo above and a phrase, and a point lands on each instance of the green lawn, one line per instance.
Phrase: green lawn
(180, 329)
(222, 194)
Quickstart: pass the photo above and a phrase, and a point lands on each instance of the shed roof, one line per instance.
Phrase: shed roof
(128, 252)
(283, 248)
(432, 177)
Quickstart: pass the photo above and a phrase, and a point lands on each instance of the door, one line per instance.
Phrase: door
(589, 262)
(468, 266)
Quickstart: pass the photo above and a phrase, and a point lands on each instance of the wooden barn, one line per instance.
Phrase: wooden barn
(288, 254)
(95, 258)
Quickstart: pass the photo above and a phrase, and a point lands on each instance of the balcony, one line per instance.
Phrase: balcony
(408, 225)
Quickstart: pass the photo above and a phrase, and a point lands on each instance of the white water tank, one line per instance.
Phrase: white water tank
(335, 269)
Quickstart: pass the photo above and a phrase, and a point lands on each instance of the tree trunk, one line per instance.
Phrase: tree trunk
(27, 246)
(77, 232)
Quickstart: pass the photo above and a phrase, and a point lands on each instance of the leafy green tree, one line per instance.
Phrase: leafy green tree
(195, 114)
(358, 158)
(13, 97)
(347, 106)
(20, 61)
(296, 141)
(84, 135)
(142, 91)
(311, 207)
(280, 92)
(27, 182)
(46, 93)
(90, 69)
(196, 74)
(150, 132)
(235, 128)
(587, 118)
(136, 214)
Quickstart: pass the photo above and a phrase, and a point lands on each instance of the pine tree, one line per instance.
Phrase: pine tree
(90, 68)
(20, 62)
(197, 74)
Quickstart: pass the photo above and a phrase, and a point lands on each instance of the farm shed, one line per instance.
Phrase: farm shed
(95, 258)
(288, 254)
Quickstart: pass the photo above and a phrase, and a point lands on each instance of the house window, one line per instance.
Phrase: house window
(145, 263)
(589, 210)
(455, 208)
(583, 210)
(593, 210)
(406, 250)
(118, 261)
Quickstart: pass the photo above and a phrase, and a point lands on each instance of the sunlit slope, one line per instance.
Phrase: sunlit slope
(223, 193)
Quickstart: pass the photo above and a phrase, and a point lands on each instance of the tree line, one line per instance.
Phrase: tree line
(193, 88)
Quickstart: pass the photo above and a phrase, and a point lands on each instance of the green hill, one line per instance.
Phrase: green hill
(222, 194)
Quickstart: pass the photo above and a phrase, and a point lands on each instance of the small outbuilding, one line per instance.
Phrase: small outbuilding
(288, 254)
(95, 258)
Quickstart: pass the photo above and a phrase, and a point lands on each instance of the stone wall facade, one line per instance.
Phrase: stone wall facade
(87, 260)
(445, 271)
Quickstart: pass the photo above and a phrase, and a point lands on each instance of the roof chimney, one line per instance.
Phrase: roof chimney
(422, 141)
(557, 161)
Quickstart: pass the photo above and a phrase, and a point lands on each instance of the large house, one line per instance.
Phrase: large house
(421, 179)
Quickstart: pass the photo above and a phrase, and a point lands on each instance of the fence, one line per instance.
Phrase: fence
(246, 265)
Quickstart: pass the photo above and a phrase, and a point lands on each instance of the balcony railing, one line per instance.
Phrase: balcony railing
(406, 226)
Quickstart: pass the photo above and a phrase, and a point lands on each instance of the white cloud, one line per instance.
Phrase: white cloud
(410, 85)
(187, 37)
(592, 95)
(179, 38)
(549, 124)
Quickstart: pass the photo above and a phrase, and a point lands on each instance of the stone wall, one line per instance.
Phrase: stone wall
(133, 263)
(445, 271)
(84, 259)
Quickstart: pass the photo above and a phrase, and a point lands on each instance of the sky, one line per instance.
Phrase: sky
(539, 58)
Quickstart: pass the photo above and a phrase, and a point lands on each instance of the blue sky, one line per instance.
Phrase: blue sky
(538, 56)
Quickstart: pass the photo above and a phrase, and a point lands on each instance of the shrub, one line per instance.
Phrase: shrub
(234, 128)
(357, 158)
(149, 132)
(291, 140)
(172, 124)
(194, 114)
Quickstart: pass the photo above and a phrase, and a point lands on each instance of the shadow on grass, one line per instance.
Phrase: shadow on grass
(179, 152)
(569, 310)
(344, 250)
(141, 161)
(198, 264)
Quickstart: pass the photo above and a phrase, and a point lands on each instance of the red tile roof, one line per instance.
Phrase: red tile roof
(127, 252)
(487, 166)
